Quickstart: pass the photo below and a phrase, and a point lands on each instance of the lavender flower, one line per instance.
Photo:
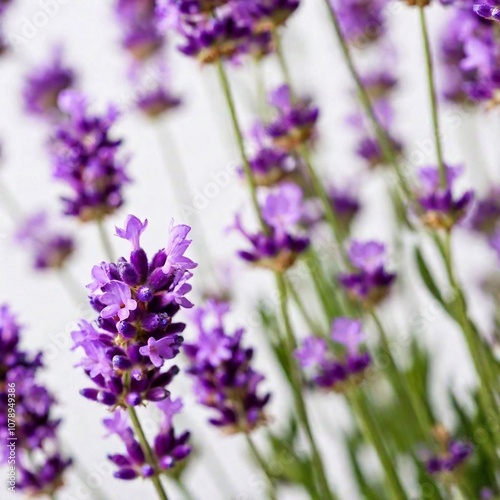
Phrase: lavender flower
(224, 378)
(157, 101)
(39, 463)
(328, 371)
(135, 332)
(85, 157)
(265, 15)
(279, 247)
(50, 248)
(362, 21)
(369, 283)
(488, 9)
(453, 457)
(485, 213)
(44, 85)
(295, 121)
(169, 449)
(438, 207)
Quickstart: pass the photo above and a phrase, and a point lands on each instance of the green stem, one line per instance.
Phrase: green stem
(224, 81)
(302, 308)
(433, 96)
(148, 452)
(296, 385)
(106, 242)
(263, 466)
(372, 434)
(382, 136)
(10, 203)
(282, 62)
(183, 488)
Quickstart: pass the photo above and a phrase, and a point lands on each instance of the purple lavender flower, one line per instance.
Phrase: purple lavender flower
(44, 85)
(453, 457)
(279, 247)
(438, 207)
(224, 378)
(369, 283)
(39, 462)
(135, 332)
(488, 9)
(85, 157)
(50, 248)
(295, 121)
(265, 15)
(327, 370)
(157, 102)
(362, 21)
(485, 213)
(169, 449)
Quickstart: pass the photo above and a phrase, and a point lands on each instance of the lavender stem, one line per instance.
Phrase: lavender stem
(106, 243)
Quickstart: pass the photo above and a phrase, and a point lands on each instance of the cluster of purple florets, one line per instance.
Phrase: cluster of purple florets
(225, 29)
(225, 380)
(87, 159)
(487, 9)
(370, 282)
(28, 429)
(456, 454)
(330, 372)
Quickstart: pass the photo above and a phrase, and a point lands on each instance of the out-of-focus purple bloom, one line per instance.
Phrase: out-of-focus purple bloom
(85, 157)
(485, 213)
(295, 122)
(40, 466)
(456, 454)
(328, 371)
(361, 21)
(136, 301)
(279, 247)
(225, 380)
(438, 207)
(44, 84)
(369, 283)
(50, 249)
(488, 9)
(157, 102)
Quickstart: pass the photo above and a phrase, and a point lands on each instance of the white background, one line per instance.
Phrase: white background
(90, 36)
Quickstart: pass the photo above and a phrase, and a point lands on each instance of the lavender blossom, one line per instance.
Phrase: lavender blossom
(370, 282)
(225, 380)
(279, 247)
(329, 372)
(50, 248)
(487, 9)
(485, 213)
(136, 332)
(40, 466)
(169, 449)
(438, 207)
(453, 457)
(85, 157)
(44, 85)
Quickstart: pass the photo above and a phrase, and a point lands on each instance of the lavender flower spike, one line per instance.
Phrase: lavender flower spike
(488, 9)
(135, 331)
(40, 466)
(85, 157)
(225, 380)
(369, 283)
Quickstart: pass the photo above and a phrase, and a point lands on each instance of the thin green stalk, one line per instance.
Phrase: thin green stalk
(302, 308)
(263, 465)
(382, 136)
(106, 242)
(372, 433)
(148, 452)
(405, 395)
(10, 203)
(296, 384)
(224, 81)
(282, 62)
(433, 96)
(183, 488)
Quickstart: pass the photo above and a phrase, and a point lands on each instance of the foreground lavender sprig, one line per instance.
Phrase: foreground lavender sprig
(86, 158)
(28, 429)
(134, 334)
(222, 369)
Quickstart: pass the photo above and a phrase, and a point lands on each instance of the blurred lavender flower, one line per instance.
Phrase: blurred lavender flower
(362, 21)
(85, 157)
(485, 213)
(328, 371)
(370, 283)
(278, 249)
(168, 448)
(224, 378)
(39, 462)
(438, 207)
(455, 455)
(50, 248)
(44, 84)
(488, 9)
(135, 332)
(295, 122)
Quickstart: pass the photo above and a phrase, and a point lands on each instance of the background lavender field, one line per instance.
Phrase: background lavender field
(89, 34)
